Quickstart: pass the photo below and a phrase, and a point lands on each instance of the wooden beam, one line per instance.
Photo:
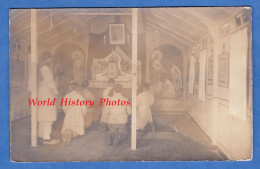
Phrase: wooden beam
(47, 30)
(33, 76)
(91, 19)
(79, 21)
(29, 26)
(134, 77)
(106, 14)
(165, 35)
(54, 26)
(66, 30)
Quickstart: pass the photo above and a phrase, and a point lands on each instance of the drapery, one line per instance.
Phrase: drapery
(238, 74)
(191, 74)
(202, 77)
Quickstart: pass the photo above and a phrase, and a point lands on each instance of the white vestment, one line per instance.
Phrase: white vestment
(74, 115)
(144, 115)
(118, 114)
(47, 89)
(104, 116)
(46, 114)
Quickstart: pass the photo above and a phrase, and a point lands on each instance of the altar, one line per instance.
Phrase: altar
(115, 65)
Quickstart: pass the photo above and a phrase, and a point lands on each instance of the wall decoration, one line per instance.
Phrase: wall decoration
(223, 68)
(197, 73)
(202, 77)
(78, 66)
(116, 65)
(112, 70)
(210, 68)
(204, 44)
(166, 77)
(18, 66)
(191, 74)
(117, 34)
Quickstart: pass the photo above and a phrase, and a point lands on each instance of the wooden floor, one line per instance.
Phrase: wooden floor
(177, 138)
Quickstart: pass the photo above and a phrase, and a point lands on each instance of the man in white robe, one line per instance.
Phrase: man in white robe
(73, 124)
(144, 102)
(107, 93)
(117, 118)
(47, 90)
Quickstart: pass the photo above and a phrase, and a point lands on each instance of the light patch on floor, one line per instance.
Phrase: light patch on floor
(176, 138)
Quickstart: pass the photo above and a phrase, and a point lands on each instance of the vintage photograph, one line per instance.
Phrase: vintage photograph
(131, 84)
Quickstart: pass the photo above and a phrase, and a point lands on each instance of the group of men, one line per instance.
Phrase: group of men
(114, 119)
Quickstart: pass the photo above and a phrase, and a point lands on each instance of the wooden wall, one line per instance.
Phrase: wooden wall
(232, 134)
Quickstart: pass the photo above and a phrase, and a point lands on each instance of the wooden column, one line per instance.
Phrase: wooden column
(33, 76)
(134, 76)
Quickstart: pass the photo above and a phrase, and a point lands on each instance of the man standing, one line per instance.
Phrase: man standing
(73, 124)
(144, 102)
(47, 89)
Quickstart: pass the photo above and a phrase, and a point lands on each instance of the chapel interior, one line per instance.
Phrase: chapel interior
(203, 52)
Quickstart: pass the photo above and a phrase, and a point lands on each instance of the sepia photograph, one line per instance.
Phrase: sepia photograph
(131, 84)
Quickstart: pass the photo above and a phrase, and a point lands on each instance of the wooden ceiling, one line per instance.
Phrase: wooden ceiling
(183, 27)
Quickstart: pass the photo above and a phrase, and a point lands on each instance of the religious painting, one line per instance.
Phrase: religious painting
(223, 68)
(112, 70)
(117, 34)
(17, 67)
(166, 73)
(78, 66)
(210, 68)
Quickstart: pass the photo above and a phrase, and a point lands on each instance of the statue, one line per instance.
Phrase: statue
(78, 66)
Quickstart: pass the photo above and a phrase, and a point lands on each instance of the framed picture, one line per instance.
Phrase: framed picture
(197, 73)
(223, 69)
(210, 68)
(117, 34)
(18, 67)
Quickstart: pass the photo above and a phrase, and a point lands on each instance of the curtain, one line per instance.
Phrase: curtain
(191, 74)
(238, 74)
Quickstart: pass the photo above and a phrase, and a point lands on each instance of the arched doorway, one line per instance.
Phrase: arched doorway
(68, 64)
